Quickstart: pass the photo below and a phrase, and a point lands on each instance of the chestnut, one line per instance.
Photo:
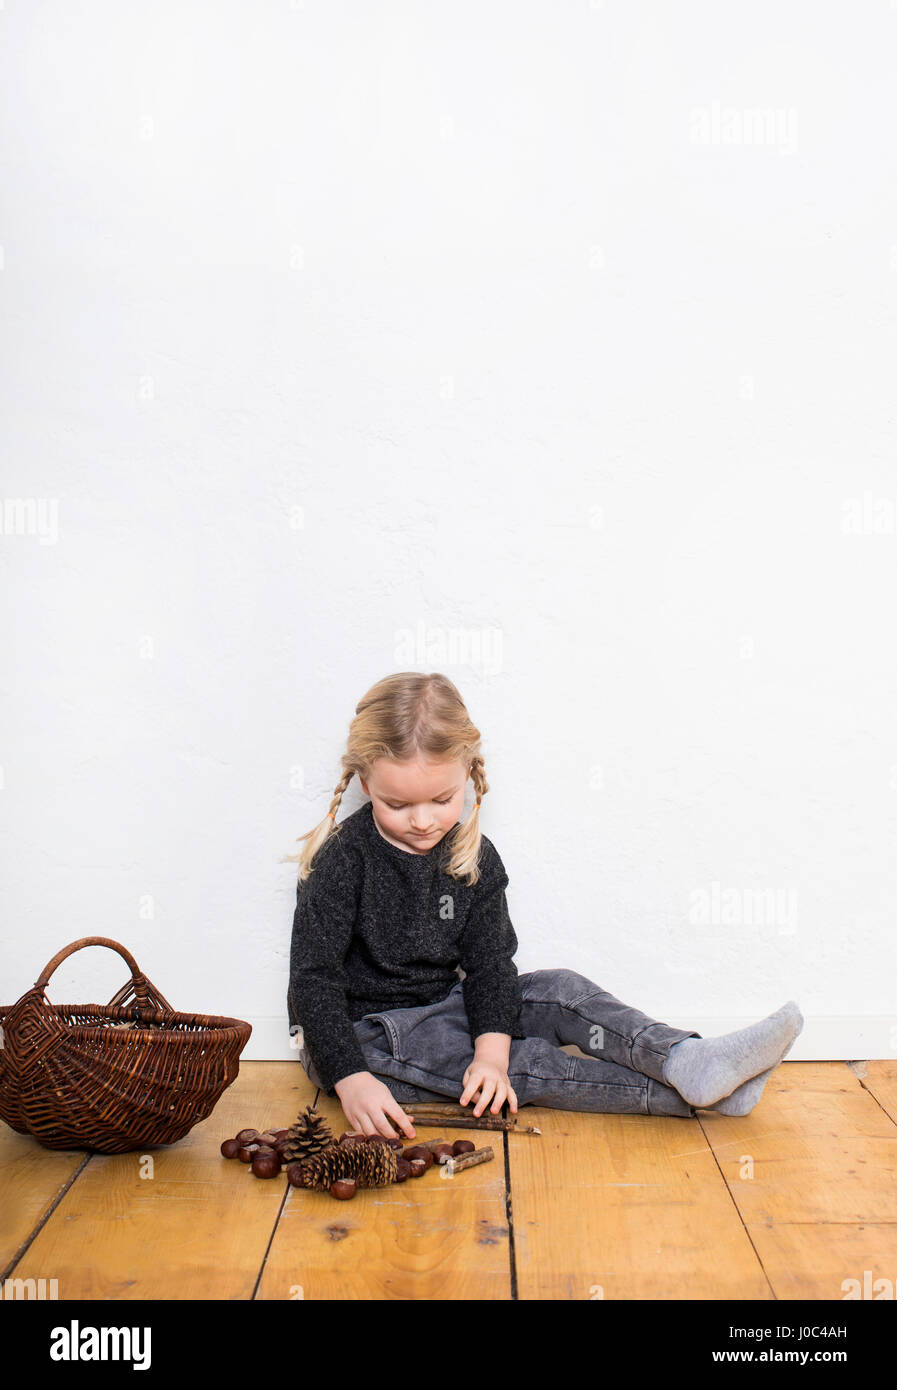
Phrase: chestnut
(403, 1170)
(463, 1146)
(247, 1136)
(231, 1147)
(265, 1166)
(268, 1138)
(418, 1167)
(247, 1153)
(343, 1189)
(419, 1151)
(443, 1152)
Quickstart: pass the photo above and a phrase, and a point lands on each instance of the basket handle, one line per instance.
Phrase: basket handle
(147, 997)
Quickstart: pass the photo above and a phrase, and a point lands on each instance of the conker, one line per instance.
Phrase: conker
(247, 1153)
(267, 1138)
(231, 1147)
(443, 1152)
(265, 1165)
(418, 1167)
(343, 1189)
(403, 1170)
(247, 1136)
(293, 1174)
(463, 1146)
(280, 1133)
(395, 1142)
(419, 1152)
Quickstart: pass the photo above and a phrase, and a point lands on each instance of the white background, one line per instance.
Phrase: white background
(503, 340)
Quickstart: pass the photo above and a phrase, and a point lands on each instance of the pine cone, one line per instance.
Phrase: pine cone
(309, 1135)
(371, 1165)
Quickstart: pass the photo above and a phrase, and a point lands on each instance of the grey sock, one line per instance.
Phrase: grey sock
(707, 1070)
(745, 1097)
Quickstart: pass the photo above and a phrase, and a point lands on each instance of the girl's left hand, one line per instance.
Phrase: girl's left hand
(491, 1079)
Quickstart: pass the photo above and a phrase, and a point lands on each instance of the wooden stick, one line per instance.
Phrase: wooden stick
(437, 1107)
(457, 1165)
(451, 1112)
(484, 1122)
(450, 1116)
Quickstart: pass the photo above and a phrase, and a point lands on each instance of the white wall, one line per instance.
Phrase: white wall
(504, 340)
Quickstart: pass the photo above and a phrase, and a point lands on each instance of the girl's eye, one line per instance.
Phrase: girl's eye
(438, 803)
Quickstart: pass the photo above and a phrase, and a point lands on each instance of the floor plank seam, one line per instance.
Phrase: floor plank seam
(744, 1225)
(870, 1092)
(509, 1212)
(277, 1219)
(26, 1244)
(283, 1202)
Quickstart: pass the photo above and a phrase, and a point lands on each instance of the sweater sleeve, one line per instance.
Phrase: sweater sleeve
(491, 987)
(323, 925)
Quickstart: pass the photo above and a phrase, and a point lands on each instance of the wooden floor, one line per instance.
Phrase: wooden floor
(787, 1203)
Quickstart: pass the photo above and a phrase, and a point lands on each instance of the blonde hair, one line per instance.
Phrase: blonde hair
(401, 716)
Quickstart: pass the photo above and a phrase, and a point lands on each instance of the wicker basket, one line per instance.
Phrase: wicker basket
(114, 1077)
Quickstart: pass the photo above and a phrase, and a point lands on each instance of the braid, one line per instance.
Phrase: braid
(478, 777)
(341, 786)
(464, 860)
(314, 839)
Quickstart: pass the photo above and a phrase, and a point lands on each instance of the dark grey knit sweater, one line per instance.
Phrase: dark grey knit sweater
(377, 927)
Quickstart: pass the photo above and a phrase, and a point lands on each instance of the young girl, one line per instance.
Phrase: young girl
(400, 894)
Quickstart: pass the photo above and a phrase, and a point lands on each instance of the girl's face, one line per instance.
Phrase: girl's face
(415, 803)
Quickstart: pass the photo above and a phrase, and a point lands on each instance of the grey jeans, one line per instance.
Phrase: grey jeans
(422, 1053)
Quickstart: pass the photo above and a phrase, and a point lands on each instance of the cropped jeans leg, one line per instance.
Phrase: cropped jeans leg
(622, 1071)
(423, 1052)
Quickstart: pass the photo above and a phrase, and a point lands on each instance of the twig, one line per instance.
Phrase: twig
(457, 1165)
(438, 1107)
(484, 1122)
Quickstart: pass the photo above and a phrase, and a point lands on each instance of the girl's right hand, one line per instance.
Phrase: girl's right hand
(369, 1105)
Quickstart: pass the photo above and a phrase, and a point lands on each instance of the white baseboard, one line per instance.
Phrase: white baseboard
(825, 1038)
